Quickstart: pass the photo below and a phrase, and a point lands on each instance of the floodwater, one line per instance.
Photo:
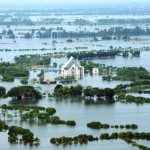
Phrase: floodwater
(73, 109)
(70, 109)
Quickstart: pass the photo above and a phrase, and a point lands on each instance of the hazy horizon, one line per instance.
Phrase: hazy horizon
(43, 2)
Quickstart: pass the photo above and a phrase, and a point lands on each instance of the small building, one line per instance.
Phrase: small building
(95, 71)
(72, 68)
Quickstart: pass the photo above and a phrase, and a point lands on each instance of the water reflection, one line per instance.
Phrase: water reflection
(23, 102)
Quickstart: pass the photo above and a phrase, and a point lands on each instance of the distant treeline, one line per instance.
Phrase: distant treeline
(123, 21)
(116, 33)
(103, 54)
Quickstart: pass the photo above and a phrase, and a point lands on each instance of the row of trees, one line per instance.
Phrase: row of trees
(80, 139)
(78, 90)
(111, 53)
(125, 135)
(106, 34)
(99, 125)
(92, 55)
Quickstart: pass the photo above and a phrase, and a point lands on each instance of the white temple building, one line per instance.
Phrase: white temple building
(72, 68)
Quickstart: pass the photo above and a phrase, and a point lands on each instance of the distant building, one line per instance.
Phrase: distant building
(95, 71)
(72, 68)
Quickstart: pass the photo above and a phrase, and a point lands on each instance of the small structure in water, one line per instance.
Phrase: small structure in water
(95, 71)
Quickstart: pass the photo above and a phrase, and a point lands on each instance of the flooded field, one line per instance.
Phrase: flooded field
(71, 108)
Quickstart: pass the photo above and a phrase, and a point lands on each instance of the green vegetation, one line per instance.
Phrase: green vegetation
(110, 53)
(57, 120)
(22, 107)
(133, 87)
(80, 139)
(3, 126)
(132, 74)
(10, 71)
(137, 100)
(99, 125)
(27, 135)
(24, 81)
(73, 91)
(78, 91)
(129, 74)
(36, 113)
(125, 135)
(2, 91)
(31, 60)
(24, 92)
(93, 54)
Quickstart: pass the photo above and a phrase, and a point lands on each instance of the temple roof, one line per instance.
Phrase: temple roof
(70, 62)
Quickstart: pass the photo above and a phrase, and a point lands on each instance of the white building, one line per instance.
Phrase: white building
(95, 71)
(72, 68)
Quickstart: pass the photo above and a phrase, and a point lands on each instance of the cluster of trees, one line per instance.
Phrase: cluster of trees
(27, 135)
(92, 55)
(17, 21)
(102, 94)
(22, 107)
(10, 71)
(78, 90)
(131, 74)
(134, 143)
(99, 125)
(81, 22)
(9, 33)
(3, 126)
(57, 120)
(134, 53)
(141, 84)
(111, 53)
(125, 135)
(137, 100)
(29, 60)
(62, 91)
(24, 92)
(46, 117)
(35, 114)
(80, 139)
(84, 139)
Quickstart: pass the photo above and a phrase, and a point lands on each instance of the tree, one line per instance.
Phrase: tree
(4, 32)
(2, 91)
(58, 89)
(121, 96)
(10, 32)
(28, 35)
(21, 92)
(88, 92)
(50, 111)
(109, 93)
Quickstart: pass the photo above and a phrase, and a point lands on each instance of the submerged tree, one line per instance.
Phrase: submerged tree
(24, 92)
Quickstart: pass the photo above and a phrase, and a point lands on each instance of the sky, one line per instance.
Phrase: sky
(69, 1)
